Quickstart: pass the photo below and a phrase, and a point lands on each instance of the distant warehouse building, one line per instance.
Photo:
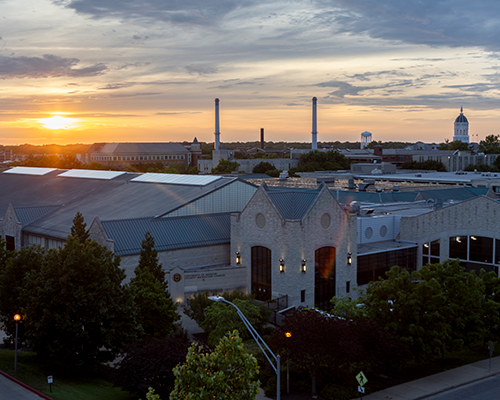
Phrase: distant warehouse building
(125, 155)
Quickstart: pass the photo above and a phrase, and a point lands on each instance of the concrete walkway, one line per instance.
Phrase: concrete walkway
(10, 390)
(426, 387)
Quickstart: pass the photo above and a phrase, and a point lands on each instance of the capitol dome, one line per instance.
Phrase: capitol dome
(461, 128)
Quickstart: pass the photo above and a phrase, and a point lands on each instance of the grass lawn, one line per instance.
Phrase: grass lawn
(69, 382)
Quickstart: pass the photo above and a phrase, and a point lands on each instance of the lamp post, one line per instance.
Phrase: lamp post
(257, 339)
(288, 335)
(17, 317)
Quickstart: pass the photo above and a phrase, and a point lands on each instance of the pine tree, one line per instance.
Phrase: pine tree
(78, 229)
(148, 260)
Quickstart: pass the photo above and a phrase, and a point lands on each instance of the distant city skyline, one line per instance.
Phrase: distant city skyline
(85, 71)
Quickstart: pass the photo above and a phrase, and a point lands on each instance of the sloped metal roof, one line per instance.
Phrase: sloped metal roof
(26, 215)
(169, 233)
(292, 203)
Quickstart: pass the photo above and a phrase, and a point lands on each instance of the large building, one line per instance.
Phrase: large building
(126, 155)
(291, 245)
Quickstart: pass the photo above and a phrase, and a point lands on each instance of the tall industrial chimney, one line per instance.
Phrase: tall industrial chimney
(217, 130)
(262, 138)
(315, 125)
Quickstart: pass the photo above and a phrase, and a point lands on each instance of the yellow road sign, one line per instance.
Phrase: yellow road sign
(361, 378)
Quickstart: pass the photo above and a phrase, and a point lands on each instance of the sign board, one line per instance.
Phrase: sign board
(361, 389)
(361, 378)
(50, 379)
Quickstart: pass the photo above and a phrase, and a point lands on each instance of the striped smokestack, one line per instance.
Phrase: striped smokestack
(217, 130)
(314, 125)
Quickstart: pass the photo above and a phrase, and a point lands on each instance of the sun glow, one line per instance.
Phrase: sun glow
(58, 122)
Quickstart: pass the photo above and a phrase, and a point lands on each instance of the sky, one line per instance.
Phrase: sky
(85, 71)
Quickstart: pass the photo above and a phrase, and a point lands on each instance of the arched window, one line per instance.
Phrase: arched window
(324, 277)
(261, 273)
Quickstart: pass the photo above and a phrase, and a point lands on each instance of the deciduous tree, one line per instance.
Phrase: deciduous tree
(228, 373)
(76, 306)
(150, 364)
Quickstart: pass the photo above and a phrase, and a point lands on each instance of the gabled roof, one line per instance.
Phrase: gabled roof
(292, 204)
(169, 233)
(26, 215)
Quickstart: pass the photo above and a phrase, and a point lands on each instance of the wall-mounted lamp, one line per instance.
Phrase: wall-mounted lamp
(282, 265)
(473, 238)
(349, 258)
(238, 258)
(304, 267)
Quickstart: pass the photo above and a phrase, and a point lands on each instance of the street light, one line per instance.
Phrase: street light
(257, 339)
(17, 318)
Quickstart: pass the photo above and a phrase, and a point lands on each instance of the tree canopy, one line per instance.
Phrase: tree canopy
(225, 167)
(157, 311)
(78, 230)
(436, 309)
(490, 145)
(228, 373)
(150, 364)
(76, 306)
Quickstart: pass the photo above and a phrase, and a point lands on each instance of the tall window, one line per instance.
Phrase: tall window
(10, 243)
(430, 252)
(261, 273)
(324, 277)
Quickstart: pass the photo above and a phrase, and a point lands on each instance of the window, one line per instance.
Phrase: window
(261, 273)
(375, 265)
(302, 296)
(431, 249)
(458, 247)
(348, 286)
(10, 243)
(324, 277)
(481, 249)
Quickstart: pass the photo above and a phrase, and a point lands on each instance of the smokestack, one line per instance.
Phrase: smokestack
(262, 138)
(217, 130)
(315, 127)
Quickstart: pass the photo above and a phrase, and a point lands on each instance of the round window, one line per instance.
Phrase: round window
(325, 221)
(383, 230)
(260, 220)
(368, 233)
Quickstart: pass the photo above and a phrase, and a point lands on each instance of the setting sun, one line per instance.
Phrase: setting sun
(58, 122)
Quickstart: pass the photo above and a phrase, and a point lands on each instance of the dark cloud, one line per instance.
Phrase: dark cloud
(201, 69)
(344, 88)
(113, 86)
(196, 12)
(46, 66)
(451, 23)
(367, 76)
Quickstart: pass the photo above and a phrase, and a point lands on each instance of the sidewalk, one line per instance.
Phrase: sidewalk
(435, 384)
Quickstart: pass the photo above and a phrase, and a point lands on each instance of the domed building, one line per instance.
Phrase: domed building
(461, 128)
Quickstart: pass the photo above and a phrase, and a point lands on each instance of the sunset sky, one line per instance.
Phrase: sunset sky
(82, 71)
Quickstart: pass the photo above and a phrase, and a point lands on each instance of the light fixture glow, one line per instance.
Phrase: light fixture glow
(349, 258)
(282, 265)
(238, 258)
(17, 317)
(304, 267)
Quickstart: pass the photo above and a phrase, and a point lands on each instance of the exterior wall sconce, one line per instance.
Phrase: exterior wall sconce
(282, 265)
(349, 258)
(304, 267)
(238, 258)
